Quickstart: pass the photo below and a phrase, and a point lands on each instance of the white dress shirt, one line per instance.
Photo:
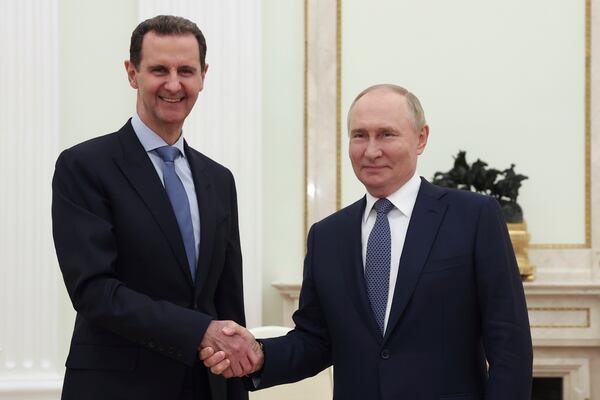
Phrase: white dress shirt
(404, 201)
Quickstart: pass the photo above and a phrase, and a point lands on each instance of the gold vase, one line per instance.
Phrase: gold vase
(520, 241)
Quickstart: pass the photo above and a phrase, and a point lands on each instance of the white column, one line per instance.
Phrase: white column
(29, 278)
(226, 121)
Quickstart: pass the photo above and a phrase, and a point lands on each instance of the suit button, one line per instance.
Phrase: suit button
(151, 344)
(179, 355)
(195, 305)
(385, 354)
(171, 350)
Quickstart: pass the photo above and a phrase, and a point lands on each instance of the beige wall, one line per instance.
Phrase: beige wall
(283, 154)
(503, 81)
(94, 40)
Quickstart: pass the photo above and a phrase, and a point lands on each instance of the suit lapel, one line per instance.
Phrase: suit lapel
(422, 229)
(350, 254)
(210, 212)
(140, 173)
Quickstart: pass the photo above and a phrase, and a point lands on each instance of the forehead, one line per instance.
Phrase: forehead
(379, 105)
(170, 49)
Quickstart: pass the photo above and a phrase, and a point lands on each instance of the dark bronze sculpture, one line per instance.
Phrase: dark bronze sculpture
(477, 177)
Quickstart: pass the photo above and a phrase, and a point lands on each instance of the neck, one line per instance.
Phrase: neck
(169, 136)
(170, 133)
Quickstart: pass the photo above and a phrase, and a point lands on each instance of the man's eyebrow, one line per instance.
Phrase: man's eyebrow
(358, 130)
(387, 128)
(153, 66)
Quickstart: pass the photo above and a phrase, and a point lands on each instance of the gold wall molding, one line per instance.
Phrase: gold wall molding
(586, 310)
(588, 144)
(338, 105)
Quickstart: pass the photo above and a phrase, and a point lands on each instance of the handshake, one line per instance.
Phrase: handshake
(230, 350)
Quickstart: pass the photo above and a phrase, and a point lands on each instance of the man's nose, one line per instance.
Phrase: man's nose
(173, 84)
(373, 149)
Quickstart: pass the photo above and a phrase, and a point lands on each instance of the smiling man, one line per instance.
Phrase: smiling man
(146, 234)
(413, 291)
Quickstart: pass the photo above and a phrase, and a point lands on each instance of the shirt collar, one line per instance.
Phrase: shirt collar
(403, 199)
(150, 139)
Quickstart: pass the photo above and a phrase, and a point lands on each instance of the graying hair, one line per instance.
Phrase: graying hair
(414, 105)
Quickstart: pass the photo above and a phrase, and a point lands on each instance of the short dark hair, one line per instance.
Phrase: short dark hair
(164, 25)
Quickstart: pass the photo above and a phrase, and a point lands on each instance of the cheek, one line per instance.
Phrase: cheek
(191, 94)
(355, 154)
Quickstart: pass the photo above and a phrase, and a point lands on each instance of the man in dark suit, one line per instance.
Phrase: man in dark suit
(146, 233)
(412, 292)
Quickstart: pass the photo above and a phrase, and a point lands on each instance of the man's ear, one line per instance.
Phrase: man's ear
(131, 74)
(423, 136)
(203, 77)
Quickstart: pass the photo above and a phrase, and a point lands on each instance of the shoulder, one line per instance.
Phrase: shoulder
(94, 158)
(91, 148)
(455, 197)
(96, 149)
(467, 198)
(199, 160)
(345, 218)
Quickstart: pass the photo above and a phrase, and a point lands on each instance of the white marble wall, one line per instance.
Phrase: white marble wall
(595, 137)
(29, 281)
(322, 110)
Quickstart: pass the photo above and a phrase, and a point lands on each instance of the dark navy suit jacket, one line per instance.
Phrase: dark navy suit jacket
(140, 317)
(458, 302)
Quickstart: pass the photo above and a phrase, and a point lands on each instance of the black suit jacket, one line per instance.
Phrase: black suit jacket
(140, 318)
(458, 301)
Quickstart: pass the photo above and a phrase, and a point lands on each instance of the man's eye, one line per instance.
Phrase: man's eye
(158, 70)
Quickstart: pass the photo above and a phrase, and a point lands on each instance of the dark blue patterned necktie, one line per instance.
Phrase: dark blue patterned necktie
(179, 202)
(378, 261)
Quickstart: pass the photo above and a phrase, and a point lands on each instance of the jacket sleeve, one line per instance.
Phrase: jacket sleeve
(505, 323)
(87, 253)
(305, 350)
(229, 295)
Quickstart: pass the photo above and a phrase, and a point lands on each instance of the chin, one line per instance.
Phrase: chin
(173, 119)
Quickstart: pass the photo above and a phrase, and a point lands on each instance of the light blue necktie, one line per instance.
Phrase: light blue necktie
(378, 261)
(179, 202)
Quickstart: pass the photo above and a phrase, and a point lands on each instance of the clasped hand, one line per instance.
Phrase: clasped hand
(230, 350)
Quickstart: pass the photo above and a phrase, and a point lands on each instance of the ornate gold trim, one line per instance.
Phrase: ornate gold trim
(588, 124)
(559, 246)
(587, 311)
(338, 105)
(587, 143)
(305, 122)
